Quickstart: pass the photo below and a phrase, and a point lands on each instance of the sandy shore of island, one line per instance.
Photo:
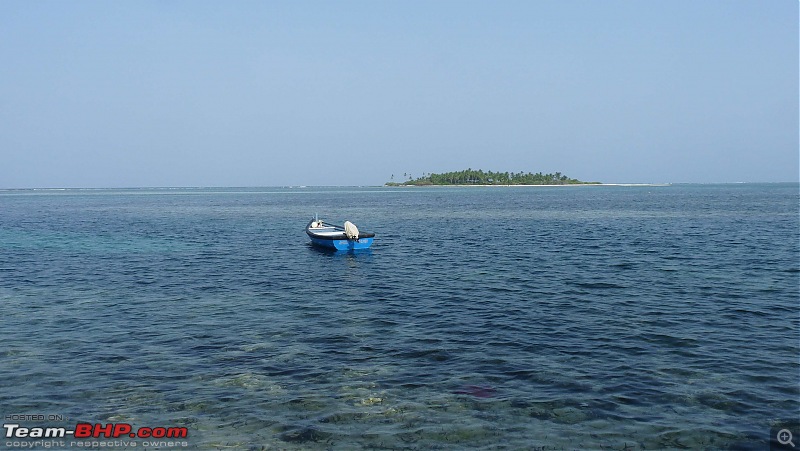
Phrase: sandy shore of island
(535, 186)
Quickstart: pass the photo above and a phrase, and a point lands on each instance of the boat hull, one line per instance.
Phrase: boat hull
(342, 245)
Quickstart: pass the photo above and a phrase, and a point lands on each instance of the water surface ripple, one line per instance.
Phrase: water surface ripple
(502, 317)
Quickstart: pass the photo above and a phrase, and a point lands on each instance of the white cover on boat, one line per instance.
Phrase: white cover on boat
(350, 230)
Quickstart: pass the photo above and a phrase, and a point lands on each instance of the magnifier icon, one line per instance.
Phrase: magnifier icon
(785, 437)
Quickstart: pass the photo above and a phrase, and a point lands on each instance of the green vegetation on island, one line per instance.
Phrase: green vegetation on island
(480, 177)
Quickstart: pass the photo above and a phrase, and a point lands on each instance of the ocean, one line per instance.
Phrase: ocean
(576, 317)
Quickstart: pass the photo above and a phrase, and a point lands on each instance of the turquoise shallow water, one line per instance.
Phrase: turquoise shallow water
(496, 318)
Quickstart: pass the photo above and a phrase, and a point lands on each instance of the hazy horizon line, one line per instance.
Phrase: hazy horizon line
(400, 185)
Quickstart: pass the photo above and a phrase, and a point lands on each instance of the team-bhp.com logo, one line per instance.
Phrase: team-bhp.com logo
(98, 430)
(88, 431)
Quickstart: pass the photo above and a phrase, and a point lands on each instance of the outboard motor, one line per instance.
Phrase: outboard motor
(350, 230)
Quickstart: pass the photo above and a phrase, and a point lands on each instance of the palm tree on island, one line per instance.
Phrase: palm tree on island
(480, 177)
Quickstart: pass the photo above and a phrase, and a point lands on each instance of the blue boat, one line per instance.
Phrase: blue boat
(341, 238)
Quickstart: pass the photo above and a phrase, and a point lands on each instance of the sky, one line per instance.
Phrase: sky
(275, 93)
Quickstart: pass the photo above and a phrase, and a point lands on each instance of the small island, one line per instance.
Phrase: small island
(480, 177)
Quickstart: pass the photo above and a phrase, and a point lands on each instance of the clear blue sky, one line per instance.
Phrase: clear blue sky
(258, 93)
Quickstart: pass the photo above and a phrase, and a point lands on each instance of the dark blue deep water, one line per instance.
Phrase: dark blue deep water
(602, 317)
